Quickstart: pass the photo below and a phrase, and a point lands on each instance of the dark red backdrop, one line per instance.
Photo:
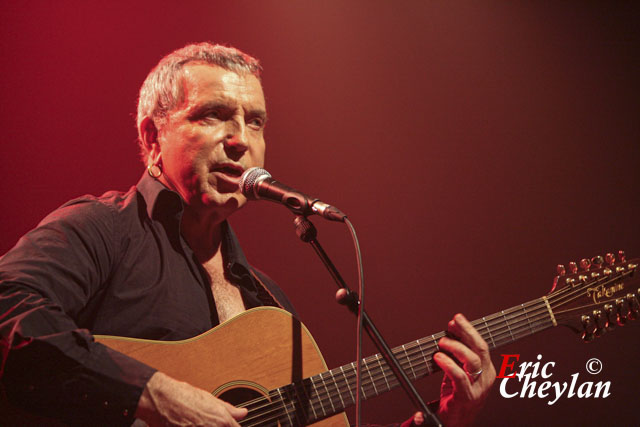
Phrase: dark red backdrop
(475, 146)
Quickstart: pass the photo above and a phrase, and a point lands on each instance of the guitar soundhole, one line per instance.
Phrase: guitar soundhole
(240, 395)
(237, 396)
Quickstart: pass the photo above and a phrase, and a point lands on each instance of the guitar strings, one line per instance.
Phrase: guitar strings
(606, 281)
(377, 359)
(393, 384)
(393, 381)
(557, 298)
(274, 412)
(498, 337)
(373, 381)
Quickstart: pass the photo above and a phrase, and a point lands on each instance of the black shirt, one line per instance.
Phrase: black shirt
(117, 265)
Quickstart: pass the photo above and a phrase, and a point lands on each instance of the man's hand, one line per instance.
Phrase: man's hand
(464, 388)
(168, 402)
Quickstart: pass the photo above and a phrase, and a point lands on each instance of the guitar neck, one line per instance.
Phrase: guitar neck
(328, 393)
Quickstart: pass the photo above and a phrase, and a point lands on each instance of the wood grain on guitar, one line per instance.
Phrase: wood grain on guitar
(252, 355)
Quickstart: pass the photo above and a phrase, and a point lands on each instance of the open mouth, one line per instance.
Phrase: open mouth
(229, 169)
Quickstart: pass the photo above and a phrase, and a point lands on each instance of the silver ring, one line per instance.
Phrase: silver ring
(474, 375)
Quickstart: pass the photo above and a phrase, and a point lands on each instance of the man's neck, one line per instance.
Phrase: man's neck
(203, 233)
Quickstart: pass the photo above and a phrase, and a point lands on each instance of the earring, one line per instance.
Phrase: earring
(155, 170)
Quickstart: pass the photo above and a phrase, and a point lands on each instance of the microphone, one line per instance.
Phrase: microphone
(257, 184)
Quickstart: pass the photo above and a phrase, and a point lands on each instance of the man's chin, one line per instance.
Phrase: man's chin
(228, 202)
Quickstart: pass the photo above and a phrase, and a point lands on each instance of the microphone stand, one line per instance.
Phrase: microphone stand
(307, 232)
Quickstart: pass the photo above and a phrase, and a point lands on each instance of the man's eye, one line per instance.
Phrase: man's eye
(206, 117)
(256, 123)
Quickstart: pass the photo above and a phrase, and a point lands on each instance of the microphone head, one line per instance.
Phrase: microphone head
(249, 179)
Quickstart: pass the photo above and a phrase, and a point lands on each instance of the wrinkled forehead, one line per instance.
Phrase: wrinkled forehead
(202, 82)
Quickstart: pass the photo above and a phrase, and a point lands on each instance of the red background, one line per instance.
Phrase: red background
(474, 145)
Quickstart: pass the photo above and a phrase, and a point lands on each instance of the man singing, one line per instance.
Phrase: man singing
(161, 262)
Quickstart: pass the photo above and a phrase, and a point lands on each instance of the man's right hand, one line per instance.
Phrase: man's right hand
(168, 402)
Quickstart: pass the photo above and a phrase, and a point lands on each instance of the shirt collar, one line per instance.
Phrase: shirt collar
(157, 196)
(235, 261)
(160, 199)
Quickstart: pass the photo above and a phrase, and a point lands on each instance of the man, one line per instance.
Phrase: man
(161, 262)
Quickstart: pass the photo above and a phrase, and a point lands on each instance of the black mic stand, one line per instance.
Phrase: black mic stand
(307, 232)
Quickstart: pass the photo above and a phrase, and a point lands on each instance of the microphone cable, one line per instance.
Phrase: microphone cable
(359, 327)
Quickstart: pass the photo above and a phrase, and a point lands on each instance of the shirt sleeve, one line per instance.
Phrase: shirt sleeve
(48, 364)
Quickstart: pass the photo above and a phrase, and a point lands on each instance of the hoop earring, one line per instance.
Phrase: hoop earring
(155, 171)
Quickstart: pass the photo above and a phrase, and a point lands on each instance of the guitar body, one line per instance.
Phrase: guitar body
(259, 350)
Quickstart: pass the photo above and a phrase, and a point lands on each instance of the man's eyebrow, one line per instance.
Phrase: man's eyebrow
(221, 105)
(258, 112)
(207, 106)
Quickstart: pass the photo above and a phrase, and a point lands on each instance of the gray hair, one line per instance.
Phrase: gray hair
(162, 89)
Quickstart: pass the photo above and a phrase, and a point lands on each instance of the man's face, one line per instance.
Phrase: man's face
(214, 135)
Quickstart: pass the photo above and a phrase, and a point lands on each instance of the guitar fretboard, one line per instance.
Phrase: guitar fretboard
(328, 393)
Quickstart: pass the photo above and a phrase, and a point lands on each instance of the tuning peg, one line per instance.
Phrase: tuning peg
(561, 270)
(573, 267)
(600, 322)
(610, 258)
(611, 316)
(585, 264)
(597, 261)
(622, 256)
(589, 328)
(634, 306)
(623, 311)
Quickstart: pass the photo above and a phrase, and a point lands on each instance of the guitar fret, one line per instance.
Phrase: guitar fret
(506, 322)
(337, 389)
(409, 360)
(384, 375)
(372, 380)
(435, 342)
(527, 316)
(424, 357)
(347, 383)
(295, 404)
(309, 400)
(328, 394)
(355, 369)
(489, 331)
(318, 398)
(299, 403)
(284, 405)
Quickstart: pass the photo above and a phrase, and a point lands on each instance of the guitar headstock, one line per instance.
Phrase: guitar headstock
(596, 294)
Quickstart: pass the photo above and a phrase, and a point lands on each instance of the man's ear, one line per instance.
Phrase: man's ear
(149, 136)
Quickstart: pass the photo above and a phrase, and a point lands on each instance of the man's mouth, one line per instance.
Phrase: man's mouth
(228, 176)
(229, 169)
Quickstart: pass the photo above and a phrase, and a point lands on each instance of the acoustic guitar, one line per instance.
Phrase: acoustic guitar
(267, 361)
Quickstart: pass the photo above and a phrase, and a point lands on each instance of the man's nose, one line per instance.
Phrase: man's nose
(236, 137)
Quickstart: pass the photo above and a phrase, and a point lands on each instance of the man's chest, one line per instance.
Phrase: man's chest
(227, 296)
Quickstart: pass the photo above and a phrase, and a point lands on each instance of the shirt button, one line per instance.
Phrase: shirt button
(125, 413)
(85, 396)
(105, 404)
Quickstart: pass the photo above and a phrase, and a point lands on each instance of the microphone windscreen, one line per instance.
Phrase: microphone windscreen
(249, 179)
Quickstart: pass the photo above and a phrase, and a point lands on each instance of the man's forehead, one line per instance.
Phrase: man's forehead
(202, 78)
